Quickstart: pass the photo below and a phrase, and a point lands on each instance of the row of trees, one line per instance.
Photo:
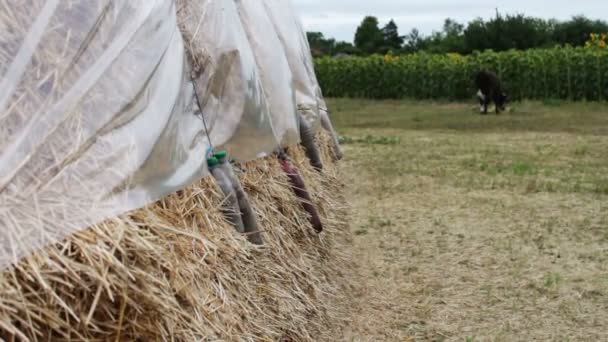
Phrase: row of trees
(501, 33)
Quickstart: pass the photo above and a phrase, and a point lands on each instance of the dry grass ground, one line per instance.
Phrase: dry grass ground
(473, 228)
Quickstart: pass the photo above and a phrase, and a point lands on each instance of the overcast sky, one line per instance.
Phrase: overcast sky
(340, 18)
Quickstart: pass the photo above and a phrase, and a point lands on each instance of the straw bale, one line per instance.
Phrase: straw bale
(175, 270)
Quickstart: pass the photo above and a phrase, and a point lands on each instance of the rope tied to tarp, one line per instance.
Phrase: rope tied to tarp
(211, 149)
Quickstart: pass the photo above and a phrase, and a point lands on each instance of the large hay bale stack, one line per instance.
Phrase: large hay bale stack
(175, 270)
(99, 117)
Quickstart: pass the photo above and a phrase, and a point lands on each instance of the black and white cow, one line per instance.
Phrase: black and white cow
(490, 90)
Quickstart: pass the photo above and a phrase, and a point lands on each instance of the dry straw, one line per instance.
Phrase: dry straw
(176, 270)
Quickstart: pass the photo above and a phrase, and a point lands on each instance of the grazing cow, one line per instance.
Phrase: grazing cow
(490, 90)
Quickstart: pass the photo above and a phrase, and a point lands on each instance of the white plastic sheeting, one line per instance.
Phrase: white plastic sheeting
(227, 80)
(309, 96)
(97, 108)
(274, 69)
(295, 44)
(94, 115)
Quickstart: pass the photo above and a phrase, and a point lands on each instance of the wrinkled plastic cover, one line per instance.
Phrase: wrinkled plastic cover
(227, 79)
(98, 113)
(95, 115)
(274, 70)
(295, 44)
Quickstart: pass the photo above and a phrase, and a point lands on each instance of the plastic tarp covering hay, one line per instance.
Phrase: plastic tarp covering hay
(274, 70)
(309, 96)
(227, 79)
(294, 41)
(97, 108)
(95, 115)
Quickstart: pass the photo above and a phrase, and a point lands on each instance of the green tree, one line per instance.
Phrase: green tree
(392, 39)
(414, 41)
(319, 45)
(518, 32)
(496, 30)
(345, 47)
(476, 36)
(450, 39)
(452, 28)
(576, 31)
(453, 37)
(501, 33)
(508, 32)
(369, 38)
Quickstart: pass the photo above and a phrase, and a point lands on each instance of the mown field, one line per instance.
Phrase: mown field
(478, 228)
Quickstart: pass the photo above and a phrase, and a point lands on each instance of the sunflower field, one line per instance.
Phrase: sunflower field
(559, 73)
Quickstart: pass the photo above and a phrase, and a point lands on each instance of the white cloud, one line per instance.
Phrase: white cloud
(340, 18)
